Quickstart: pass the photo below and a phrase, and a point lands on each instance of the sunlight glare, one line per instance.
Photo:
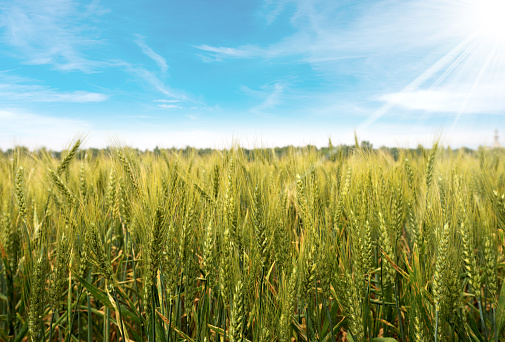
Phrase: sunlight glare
(489, 18)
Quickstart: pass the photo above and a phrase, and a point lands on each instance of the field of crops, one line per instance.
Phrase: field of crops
(235, 246)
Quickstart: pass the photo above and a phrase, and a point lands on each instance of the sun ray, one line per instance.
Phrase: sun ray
(436, 67)
(473, 88)
(472, 73)
(455, 63)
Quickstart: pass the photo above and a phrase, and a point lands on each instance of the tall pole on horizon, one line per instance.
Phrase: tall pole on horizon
(496, 143)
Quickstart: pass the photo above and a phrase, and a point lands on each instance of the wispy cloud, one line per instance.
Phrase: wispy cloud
(273, 8)
(168, 106)
(218, 53)
(32, 130)
(167, 101)
(162, 63)
(270, 96)
(411, 42)
(485, 100)
(320, 33)
(52, 32)
(36, 93)
(152, 79)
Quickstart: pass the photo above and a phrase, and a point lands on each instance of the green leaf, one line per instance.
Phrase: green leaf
(104, 299)
(298, 330)
(22, 333)
(336, 328)
(384, 339)
(500, 310)
(473, 330)
(96, 292)
(177, 330)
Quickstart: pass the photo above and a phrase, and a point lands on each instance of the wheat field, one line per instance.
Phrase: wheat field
(235, 245)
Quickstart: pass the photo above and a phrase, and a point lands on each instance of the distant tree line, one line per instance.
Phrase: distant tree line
(330, 152)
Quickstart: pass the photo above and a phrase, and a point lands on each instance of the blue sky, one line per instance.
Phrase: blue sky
(271, 73)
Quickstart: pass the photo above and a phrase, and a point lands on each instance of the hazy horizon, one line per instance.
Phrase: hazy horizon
(115, 142)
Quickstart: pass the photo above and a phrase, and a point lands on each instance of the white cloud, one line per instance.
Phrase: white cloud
(273, 8)
(325, 31)
(168, 106)
(320, 35)
(49, 32)
(16, 89)
(485, 99)
(243, 51)
(152, 79)
(5, 115)
(218, 53)
(167, 101)
(34, 130)
(270, 96)
(162, 63)
(425, 47)
(35, 93)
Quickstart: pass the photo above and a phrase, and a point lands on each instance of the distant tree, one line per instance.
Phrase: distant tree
(366, 145)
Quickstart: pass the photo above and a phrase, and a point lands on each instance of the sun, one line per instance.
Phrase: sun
(487, 19)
